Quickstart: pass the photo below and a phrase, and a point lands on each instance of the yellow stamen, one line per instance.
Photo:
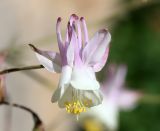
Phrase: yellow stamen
(78, 104)
(93, 125)
(75, 107)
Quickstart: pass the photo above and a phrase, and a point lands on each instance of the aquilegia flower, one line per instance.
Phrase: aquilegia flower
(116, 97)
(77, 61)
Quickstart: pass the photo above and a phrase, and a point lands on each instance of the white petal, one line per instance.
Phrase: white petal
(93, 97)
(107, 113)
(56, 95)
(98, 94)
(87, 97)
(50, 60)
(64, 80)
(83, 78)
(65, 75)
(48, 64)
(66, 97)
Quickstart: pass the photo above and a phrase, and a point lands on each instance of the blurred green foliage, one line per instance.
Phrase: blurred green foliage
(136, 42)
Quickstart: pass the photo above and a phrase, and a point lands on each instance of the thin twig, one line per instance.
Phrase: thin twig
(21, 69)
(38, 124)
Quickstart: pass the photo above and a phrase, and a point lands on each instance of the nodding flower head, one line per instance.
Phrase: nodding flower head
(77, 61)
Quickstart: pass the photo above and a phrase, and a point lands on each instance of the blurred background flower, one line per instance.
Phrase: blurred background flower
(135, 42)
(116, 97)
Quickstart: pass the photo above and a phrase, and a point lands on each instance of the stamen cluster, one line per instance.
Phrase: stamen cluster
(75, 107)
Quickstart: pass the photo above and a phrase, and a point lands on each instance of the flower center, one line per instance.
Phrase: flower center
(75, 107)
(78, 104)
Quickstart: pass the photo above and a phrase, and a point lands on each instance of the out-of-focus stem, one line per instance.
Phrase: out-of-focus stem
(21, 69)
(38, 124)
(150, 99)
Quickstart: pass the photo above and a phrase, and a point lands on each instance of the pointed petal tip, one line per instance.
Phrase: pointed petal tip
(55, 99)
(74, 16)
(33, 47)
(59, 19)
(123, 67)
(106, 32)
(82, 18)
(103, 31)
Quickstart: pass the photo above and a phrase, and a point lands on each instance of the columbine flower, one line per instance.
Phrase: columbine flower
(116, 97)
(77, 62)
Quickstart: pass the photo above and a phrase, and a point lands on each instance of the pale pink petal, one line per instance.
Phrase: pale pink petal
(70, 54)
(71, 48)
(74, 22)
(75, 52)
(73, 18)
(79, 34)
(50, 60)
(99, 65)
(115, 84)
(59, 37)
(115, 78)
(119, 78)
(86, 39)
(128, 99)
(95, 50)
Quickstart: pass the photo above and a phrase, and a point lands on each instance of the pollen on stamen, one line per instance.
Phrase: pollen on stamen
(75, 107)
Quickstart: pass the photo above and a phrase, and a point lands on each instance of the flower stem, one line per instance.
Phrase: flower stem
(38, 124)
(21, 69)
(150, 99)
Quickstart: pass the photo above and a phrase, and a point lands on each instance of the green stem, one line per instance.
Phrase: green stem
(150, 99)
